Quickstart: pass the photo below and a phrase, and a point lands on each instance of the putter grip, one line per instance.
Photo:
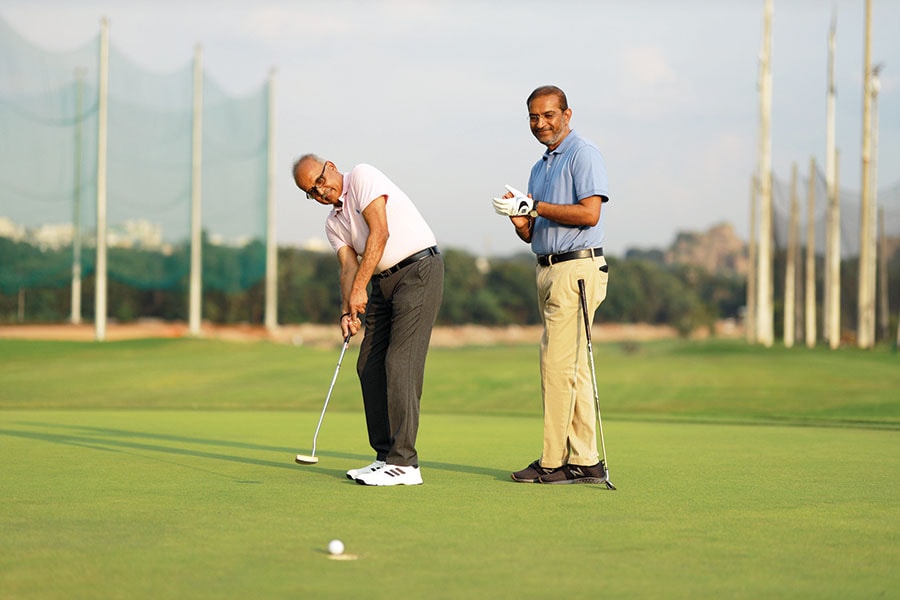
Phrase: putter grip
(584, 309)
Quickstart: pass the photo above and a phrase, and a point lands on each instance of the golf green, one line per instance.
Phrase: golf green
(209, 504)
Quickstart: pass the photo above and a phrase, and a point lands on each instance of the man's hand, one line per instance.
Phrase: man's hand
(350, 324)
(513, 204)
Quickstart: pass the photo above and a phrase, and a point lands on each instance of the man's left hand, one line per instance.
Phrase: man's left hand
(513, 205)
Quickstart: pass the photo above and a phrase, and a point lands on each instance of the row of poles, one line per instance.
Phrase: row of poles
(195, 286)
(760, 306)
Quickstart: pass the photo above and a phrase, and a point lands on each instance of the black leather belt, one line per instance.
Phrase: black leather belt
(412, 258)
(545, 260)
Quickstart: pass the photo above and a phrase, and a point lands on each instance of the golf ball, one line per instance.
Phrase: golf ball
(335, 547)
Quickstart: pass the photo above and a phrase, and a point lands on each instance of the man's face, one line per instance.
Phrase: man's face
(549, 123)
(319, 181)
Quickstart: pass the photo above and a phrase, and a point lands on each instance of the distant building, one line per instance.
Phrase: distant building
(9, 230)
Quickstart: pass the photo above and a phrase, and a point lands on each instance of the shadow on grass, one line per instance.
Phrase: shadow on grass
(106, 439)
(764, 421)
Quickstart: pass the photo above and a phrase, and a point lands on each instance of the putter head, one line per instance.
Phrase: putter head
(303, 459)
(608, 483)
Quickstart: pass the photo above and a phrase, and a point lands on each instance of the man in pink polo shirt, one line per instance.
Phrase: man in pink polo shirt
(380, 238)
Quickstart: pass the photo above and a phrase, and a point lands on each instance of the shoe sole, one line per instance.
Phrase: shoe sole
(594, 480)
(513, 477)
(361, 482)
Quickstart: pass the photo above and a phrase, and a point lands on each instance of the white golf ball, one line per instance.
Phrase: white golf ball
(335, 547)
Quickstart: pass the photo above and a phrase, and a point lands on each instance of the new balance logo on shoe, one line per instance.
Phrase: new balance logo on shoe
(577, 474)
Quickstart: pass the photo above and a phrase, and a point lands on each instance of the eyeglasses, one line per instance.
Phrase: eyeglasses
(320, 180)
(547, 116)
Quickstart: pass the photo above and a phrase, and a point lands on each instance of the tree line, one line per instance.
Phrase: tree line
(35, 288)
(497, 291)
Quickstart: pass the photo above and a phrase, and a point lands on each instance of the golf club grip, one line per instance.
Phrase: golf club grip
(584, 309)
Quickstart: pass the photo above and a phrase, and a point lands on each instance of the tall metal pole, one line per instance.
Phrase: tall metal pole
(75, 317)
(750, 320)
(765, 325)
(810, 271)
(832, 302)
(196, 283)
(102, 121)
(271, 237)
(882, 251)
(865, 334)
(883, 299)
(790, 266)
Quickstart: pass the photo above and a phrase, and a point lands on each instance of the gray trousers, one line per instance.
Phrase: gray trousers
(400, 315)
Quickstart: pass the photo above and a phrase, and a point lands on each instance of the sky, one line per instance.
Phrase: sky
(433, 94)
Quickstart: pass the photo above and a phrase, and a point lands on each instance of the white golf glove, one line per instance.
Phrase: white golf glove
(517, 206)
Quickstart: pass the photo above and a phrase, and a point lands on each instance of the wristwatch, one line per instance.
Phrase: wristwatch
(533, 212)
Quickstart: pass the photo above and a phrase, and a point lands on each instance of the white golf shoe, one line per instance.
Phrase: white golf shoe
(355, 473)
(392, 475)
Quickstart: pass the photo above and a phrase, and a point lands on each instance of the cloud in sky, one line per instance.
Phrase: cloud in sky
(433, 94)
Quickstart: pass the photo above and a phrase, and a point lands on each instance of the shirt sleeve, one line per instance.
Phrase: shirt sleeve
(589, 173)
(337, 235)
(366, 184)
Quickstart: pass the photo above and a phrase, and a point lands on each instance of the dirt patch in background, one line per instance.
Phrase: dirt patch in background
(329, 335)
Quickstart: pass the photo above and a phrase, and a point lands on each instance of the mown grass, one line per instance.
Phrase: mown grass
(670, 380)
(163, 469)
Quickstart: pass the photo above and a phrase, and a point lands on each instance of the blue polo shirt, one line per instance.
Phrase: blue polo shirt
(572, 172)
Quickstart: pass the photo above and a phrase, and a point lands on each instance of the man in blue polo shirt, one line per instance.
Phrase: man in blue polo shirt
(561, 219)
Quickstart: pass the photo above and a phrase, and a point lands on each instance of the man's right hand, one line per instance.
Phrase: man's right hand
(350, 324)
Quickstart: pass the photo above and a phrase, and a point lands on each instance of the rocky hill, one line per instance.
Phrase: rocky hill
(718, 250)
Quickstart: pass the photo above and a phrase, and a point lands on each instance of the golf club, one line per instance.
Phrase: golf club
(590, 348)
(311, 459)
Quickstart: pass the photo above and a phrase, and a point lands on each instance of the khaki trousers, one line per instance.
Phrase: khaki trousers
(570, 419)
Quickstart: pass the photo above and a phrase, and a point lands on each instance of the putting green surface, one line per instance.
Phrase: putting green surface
(178, 504)
(165, 469)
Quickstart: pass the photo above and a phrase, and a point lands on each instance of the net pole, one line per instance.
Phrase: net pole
(764, 287)
(832, 301)
(835, 283)
(271, 317)
(750, 320)
(883, 299)
(810, 272)
(102, 121)
(879, 237)
(866, 293)
(790, 268)
(196, 191)
(75, 317)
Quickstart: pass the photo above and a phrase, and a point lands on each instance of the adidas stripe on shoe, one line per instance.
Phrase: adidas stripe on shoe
(392, 475)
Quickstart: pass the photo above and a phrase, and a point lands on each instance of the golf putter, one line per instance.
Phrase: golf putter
(311, 459)
(590, 349)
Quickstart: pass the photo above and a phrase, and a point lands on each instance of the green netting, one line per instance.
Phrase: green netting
(887, 198)
(149, 174)
(235, 155)
(48, 173)
(48, 132)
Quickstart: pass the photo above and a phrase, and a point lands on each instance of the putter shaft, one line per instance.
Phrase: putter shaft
(590, 348)
(328, 397)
